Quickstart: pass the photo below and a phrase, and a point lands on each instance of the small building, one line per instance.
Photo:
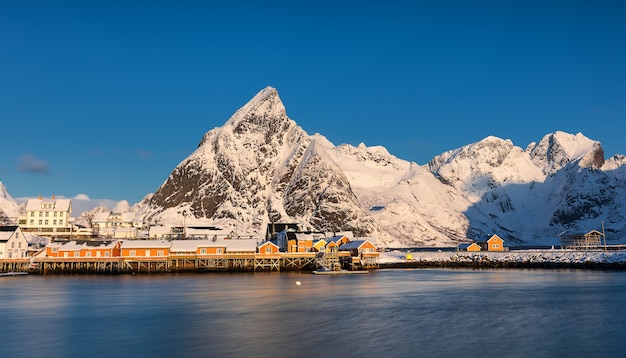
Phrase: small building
(473, 247)
(118, 225)
(13, 244)
(91, 248)
(363, 254)
(267, 248)
(494, 243)
(359, 248)
(145, 248)
(578, 240)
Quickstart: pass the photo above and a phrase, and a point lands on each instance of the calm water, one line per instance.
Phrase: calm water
(389, 313)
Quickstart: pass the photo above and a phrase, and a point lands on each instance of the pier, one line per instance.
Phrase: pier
(130, 265)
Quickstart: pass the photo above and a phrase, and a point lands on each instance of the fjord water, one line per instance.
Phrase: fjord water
(388, 313)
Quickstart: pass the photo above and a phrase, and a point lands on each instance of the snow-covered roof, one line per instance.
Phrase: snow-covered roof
(71, 246)
(58, 204)
(192, 245)
(138, 244)
(231, 245)
(5, 235)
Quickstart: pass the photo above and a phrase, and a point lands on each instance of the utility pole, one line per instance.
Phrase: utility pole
(603, 235)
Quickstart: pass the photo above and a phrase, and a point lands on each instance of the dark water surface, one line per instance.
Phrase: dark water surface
(388, 313)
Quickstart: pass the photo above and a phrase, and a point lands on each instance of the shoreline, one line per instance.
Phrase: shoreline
(539, 259)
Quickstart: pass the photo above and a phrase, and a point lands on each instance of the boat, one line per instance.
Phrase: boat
(2, 274)
(326, 271)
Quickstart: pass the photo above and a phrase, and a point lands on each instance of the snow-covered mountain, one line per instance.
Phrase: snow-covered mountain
(9, 208)
(261, 167)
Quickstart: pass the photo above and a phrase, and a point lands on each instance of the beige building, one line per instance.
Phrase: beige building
(48, 217)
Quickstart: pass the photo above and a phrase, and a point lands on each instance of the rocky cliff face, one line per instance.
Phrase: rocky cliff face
(261, 167)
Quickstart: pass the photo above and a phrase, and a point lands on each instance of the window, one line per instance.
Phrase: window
(54, 222)
(268, 249)
(19, 245)
(32, 222)
(76, 253)
(46, 222)
(55, 214)
(13, 245)
(203, 251)
(88, 254)
(55, 249)
(66, 254)
(40, 222)
(132, 253)
(107, 254)
(219, 250)
(40, 214)
(61, 222)
(160, 253)
(47, 213)
(32, 213)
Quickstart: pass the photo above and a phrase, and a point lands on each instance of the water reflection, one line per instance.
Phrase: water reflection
(388, 313)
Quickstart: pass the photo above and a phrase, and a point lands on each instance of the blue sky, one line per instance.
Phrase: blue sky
(105, 98)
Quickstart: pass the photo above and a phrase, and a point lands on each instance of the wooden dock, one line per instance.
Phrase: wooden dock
(191, 263)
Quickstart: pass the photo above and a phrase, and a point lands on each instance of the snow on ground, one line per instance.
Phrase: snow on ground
(522, 256)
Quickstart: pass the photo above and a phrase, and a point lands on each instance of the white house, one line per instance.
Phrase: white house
(117, 225)
(49, 217)
(13, 244)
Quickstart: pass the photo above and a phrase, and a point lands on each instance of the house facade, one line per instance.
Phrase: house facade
(13, 244)
(494, 243)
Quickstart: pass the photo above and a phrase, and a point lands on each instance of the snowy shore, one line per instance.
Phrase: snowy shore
(511, 259)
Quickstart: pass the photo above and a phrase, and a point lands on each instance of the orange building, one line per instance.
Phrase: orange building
(145, 248)
(268, 248)
(494, 243)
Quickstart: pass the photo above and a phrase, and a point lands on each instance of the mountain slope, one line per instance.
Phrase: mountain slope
(261, 167)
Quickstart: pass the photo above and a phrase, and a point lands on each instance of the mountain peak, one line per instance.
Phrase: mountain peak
(264, 104)
(559, 148)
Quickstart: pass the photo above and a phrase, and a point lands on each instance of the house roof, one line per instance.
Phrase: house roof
(101, 244)
(231, 245)
(5, 236)
(10, 228)
(140, 244)
(59, 204)
(575, 234)
(351, 245)
(266, 243)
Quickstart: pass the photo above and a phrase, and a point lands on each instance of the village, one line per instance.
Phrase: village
(116, 244)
